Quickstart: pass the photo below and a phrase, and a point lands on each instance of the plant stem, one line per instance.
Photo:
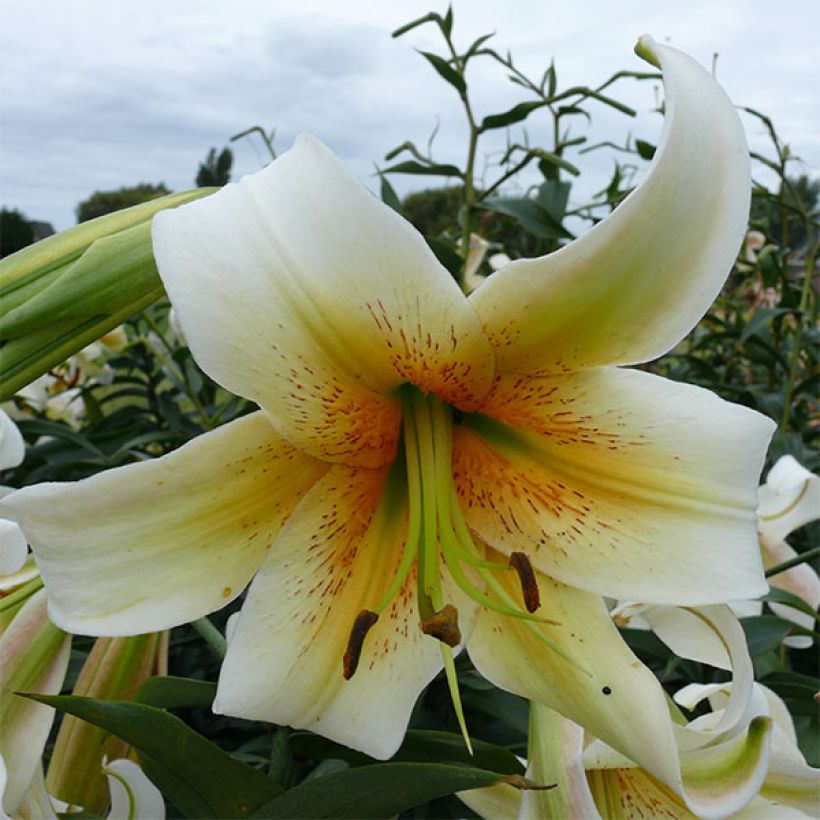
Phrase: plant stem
(212, 636)
(803, 558)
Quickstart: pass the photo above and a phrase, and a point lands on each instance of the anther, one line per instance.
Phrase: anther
(443, 625)
(526, 575)
(361, 626)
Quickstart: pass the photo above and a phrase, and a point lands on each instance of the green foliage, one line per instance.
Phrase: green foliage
(215, 171)
(106, 202)
(15, 231)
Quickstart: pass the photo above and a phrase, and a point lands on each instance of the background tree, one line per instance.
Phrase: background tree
(15, 231)
(216, 170)
(105, 202)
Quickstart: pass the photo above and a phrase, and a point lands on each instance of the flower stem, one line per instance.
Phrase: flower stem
(803, 558)
(212, 636)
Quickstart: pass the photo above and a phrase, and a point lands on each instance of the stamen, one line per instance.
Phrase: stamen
(361, 626)
(443, 625)
(529, 586)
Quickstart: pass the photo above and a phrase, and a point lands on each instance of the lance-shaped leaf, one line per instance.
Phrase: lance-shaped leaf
(70, 289)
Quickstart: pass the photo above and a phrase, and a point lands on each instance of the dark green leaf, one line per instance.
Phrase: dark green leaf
(445, 254)
(446, 71)
(169, 692)
(376, 791)
(447, 22)
(530, 214)
(515, 114)
(765, 632)
(428, 18)
(476, 46)
(553, 197)
(420, 745)
(198, 777)
(781, 596)
(645, 149)
(413, 167)
(389, 195)
(759, 320)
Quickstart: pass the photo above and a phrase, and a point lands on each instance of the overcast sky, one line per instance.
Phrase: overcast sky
(99, 94)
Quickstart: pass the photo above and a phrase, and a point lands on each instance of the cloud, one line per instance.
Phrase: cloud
(99, 95)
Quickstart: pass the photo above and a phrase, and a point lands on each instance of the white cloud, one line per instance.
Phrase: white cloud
(98, 95)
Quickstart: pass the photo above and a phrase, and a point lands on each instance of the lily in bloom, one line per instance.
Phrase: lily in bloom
(429, 470)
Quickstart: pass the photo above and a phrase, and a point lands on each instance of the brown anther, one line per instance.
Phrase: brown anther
(443, 625)
(361, 626)
(526, 575)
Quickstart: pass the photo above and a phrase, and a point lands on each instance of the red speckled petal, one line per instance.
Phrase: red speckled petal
(300, 290)
(336, 556)
(618, 482)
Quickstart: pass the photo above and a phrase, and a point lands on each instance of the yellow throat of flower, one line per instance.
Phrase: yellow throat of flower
(437, 533)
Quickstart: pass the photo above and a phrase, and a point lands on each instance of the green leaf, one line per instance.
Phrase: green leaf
(389, 195)
(759, 320)
(376, 791)
(169, 692)
(445, 254)
(530, 214)
(419, 21)
(447, 22)
(645, 149)
(765, 632)
(781, 596)
(446, 71)
(553, 196)
(517, 113)
(476, 45)
(198, 777)
(420, 745)
(413, 167)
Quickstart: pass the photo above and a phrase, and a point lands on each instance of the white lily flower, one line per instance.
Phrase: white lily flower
(133, 795)
(412, 443)
(13, 544)
(789, 499)
(593, 781)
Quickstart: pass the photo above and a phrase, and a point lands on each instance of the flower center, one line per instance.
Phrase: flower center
(437, 533)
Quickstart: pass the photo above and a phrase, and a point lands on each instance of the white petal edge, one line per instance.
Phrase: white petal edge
(789, 499)
(12, 446)
(13, 547)
(635, 284)
(158, 543)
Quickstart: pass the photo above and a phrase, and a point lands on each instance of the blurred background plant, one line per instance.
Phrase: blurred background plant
(141, 394)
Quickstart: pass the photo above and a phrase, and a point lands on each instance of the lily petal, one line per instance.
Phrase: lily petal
(618, 482)
(599, 684)
(300, 290)
(789, 499)
(133, 795)
(635, 284)
(13, 547)
(163, 541)
(12, 446)
(335, 557)
(33, 658)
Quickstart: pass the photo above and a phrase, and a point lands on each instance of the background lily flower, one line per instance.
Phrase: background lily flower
(13, 545)
(430, 465)
(789, 499)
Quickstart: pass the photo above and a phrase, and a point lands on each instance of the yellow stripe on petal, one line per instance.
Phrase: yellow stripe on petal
(635, 284)
(158, 543)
